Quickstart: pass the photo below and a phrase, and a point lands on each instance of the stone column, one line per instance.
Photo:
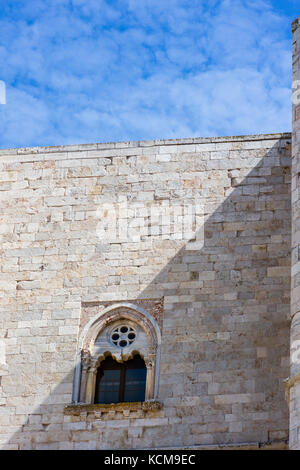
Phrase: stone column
(90, 385)
(149, 392)
(86, 363)
(293, 384)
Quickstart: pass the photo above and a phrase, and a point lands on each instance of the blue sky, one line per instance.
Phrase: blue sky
(80, 71)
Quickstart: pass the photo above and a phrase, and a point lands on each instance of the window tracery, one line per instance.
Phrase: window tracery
(122, 332)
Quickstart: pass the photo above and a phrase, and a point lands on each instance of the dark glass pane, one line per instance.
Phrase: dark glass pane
(135, 381)
(109, 386)
(117, 382)
(108, 382)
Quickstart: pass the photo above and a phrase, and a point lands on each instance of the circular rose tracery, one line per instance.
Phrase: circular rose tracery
(122, 336)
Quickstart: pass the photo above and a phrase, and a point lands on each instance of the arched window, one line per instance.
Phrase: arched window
(121, 382)
(118, 357)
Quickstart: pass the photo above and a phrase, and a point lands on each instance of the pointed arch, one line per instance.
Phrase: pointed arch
(94, 345)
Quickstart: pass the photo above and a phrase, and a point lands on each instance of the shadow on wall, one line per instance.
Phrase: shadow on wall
(225, 335)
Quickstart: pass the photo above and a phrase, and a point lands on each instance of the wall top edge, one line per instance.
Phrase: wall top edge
(142, 143)
(295, 24)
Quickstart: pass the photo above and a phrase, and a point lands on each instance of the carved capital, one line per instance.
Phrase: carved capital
(149, 363)
(289, 383)
(85, 358)
(93, 369)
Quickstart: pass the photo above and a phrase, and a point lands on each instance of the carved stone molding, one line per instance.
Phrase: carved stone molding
(95, 344)
(82, 408)
(289, 383)
(154, 307)
(115, 411)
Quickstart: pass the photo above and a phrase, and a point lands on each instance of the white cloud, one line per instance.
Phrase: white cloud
(130, 70)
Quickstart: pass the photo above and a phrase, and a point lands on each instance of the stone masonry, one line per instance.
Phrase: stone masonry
(294, 381)
(218, 287)
(197, 243)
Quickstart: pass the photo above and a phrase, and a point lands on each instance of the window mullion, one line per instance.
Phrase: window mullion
(122, 383)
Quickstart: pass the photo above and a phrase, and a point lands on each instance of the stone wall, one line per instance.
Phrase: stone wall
(224, 284)
(294, 383)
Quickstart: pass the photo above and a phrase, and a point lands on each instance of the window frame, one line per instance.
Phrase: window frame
(87, 362)
(124, 367)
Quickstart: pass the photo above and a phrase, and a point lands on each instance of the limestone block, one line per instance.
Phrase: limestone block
(225, 300)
